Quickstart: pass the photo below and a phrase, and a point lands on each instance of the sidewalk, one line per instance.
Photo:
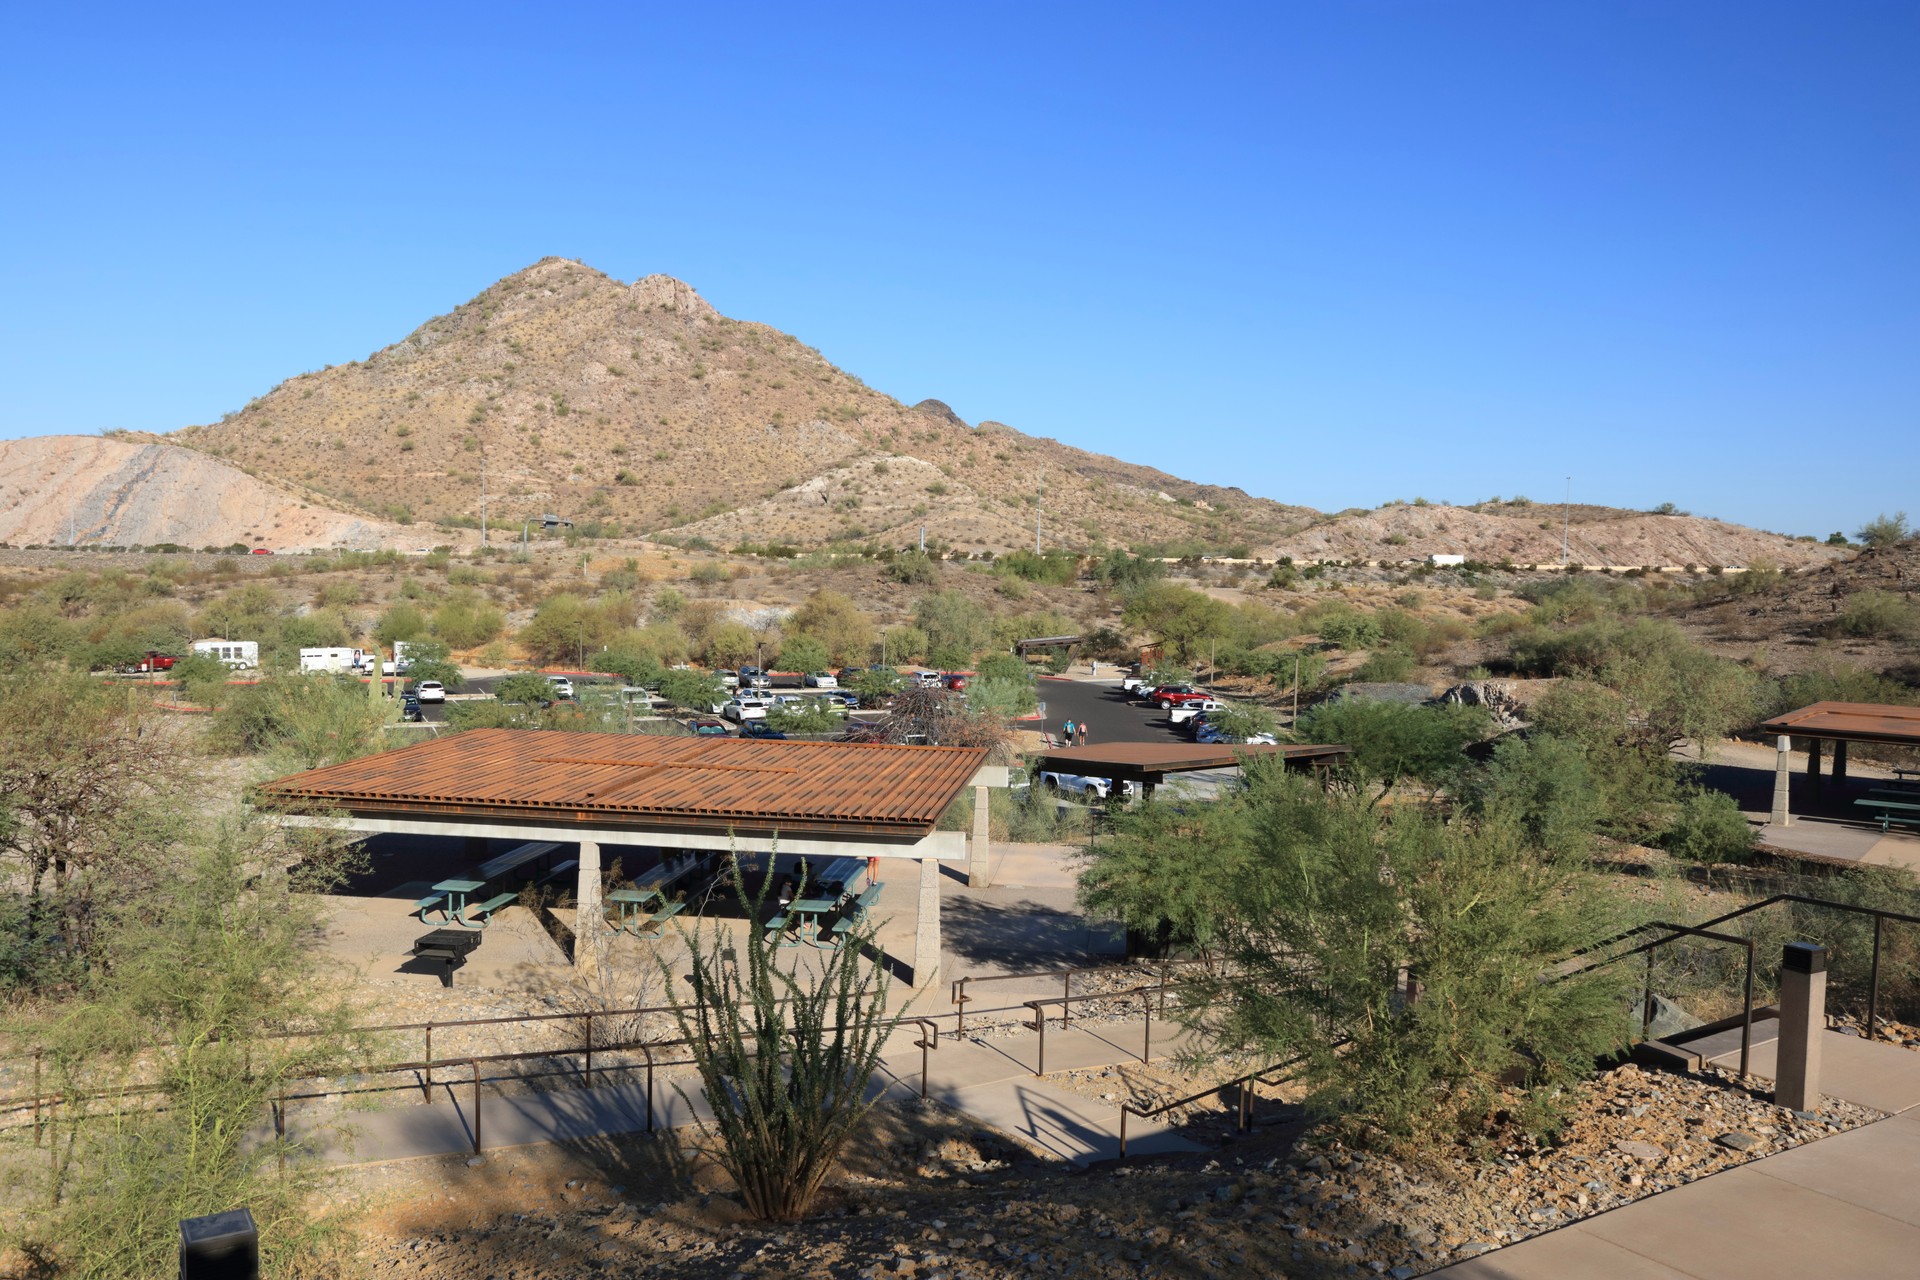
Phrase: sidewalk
(991, 1080)
(1846, 1206)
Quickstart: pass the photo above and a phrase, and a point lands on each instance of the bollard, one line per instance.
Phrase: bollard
(220, 1246)
(1803, 1020)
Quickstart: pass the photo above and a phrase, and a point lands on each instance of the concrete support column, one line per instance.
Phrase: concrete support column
(1803, 1021)
(588, 912)
(926, 925)
(1840, 763)
(979, 874)
(1813, 763)
(1782, 815)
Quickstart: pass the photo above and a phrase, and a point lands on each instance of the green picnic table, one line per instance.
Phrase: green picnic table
(451, 901)
(637, 916)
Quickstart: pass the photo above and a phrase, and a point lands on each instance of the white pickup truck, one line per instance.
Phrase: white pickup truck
(1182, 712)
(1076, 784)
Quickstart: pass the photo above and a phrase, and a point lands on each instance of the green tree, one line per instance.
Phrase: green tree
(523, 687)
(955, 627)
(1709, 827)
(300, 722)
(837, 623)
(1884, 530)
(1316, 902)
(694, 690)
(875, 686)
(802, 653)
(810, 716)
(730, 644)
(1182, 619)
(1392, 741)
(432, 660)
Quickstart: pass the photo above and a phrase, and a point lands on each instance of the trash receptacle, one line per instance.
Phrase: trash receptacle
(220, 1246)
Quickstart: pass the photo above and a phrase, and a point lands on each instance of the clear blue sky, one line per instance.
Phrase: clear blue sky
(1332, 253)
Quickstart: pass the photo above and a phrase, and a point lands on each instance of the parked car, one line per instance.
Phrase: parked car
(562, 687)
(821, 680)
(728, 679)
(924, 680)
(1181, 712)
(1213, 733)
(410, 707)
(740, 713)
(431, 691)
(706, 727)
(262, 551)
(954, 680)
(753, 678)
(1168, 699)
(154, 661)
(760, 729)
(1086, 788)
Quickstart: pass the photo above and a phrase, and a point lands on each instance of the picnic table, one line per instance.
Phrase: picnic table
(1892, 812)
(804, 920)
(643, 913)
(450, 899)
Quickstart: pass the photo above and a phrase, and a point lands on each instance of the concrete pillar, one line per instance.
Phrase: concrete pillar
(1803, 1022)
(1813, 763)
(1782, 815)
(926, 925)
(979, 874)
(1840, 763)
(589, 926)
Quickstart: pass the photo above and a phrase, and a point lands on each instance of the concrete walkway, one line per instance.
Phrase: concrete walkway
(991, 1079)
(1846, 1206)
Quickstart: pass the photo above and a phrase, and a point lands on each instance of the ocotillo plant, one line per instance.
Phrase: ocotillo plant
(784, 1058)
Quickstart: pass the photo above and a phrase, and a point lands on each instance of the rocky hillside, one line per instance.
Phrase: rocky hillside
(1530, 533)
(641, 407)
(122, 493)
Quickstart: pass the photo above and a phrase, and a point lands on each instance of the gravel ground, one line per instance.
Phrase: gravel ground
(928, 1194)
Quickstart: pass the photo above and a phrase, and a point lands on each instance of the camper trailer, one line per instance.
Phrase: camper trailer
(241, 655)
(331, 659)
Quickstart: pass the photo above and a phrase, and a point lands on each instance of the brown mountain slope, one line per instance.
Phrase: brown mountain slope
(1531, 534)
(123, 493)
(642, 407)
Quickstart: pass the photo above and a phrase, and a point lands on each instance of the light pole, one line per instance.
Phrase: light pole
(1566, 520)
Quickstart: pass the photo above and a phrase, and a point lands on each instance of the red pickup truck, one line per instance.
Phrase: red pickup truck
(154, 661)
(1174, 694)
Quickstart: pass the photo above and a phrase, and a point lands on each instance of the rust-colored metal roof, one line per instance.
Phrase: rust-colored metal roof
(1141, 760)
(645, 780)
(1851, 722)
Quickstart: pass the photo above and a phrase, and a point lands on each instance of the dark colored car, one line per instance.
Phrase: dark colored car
(410, 707)
(759, 729)
(708, 727)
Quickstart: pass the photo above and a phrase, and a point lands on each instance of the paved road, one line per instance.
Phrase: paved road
(1110, 714)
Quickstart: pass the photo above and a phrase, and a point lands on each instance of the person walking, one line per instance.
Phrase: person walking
(1066, 731)
(1081, 729)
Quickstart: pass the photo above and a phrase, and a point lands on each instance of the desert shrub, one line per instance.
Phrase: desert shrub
(1542, 785)
(810, 716)
(1345, 627)
(955, 627)
(1057, 568)
(195, 986)
(1388, 666)
(1878, 614)
(403, 620)
(302, 721)
(524, 687)
(1884, 530)
(694, 690)
(912, 568)
(1709, 827)
(1392, 741)
(783, 1060)
(1315, 902)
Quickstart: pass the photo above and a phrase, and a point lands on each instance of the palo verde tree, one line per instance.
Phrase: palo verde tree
(784, 1057)
(1316, 902)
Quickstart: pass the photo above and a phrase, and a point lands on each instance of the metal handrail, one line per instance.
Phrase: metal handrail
(1244, 1112)
(958, 997)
